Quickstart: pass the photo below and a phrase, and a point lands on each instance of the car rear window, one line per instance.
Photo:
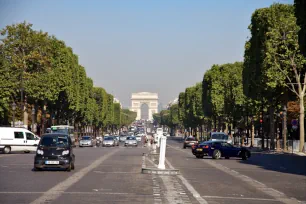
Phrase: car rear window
(190, 139)
(108, 138)
(130, 138)
(219, 137)
(86, 138)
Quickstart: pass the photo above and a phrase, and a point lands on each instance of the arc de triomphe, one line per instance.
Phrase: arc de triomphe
(144, 98)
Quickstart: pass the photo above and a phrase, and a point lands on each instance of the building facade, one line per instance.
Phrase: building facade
(150, 100)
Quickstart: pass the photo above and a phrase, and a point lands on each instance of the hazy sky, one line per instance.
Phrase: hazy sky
(129, 46)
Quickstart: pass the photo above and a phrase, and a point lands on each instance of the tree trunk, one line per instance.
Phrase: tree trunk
(272, 129)
(252, 134)
(302, 116)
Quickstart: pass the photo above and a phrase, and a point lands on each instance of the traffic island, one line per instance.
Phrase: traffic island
(150, 165)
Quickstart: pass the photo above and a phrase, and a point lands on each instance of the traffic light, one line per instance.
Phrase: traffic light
(260, 121)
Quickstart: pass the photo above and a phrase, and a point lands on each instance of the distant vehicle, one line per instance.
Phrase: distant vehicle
(131, 141)
(116, 138)
(122, 138)
(138, 138)
(64, 129)
(86, 141)
(189, 141)
(220, 149)
(159, 131)
(108, 142)
(17, 139)
(54, 151)
(148, 130)
(219, 136)
(131, 133)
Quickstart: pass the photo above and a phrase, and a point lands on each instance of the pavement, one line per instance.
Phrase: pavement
(113, 175)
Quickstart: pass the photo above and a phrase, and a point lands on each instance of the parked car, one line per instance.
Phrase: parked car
(219, 136)
(108, 142)
(86, 141)
(131, 141)
(54, 151)
(138, 138)
(189, 141)
(217, 149)
(17, 139)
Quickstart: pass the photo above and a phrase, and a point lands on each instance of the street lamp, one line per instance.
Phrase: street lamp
(14, 108)
(33, 118)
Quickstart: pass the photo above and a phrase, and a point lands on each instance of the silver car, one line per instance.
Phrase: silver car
(86, 141)
(116, 138)
(108, 142)
(122, 138)
(130, 141)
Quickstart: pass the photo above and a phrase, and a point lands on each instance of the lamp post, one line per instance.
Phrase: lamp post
(33, 118)
(14, 108)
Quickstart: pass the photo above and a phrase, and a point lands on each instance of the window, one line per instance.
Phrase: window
(226, 144)
(30, 136)
(18, 135)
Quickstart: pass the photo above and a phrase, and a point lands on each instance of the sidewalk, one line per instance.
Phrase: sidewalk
(267, 151)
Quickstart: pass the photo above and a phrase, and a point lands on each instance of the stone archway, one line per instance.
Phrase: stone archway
(144, 111)
(146, 99)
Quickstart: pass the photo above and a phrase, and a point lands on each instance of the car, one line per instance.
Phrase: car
(131, 141)
(116, 138)
(109, 142)
(54, 150)
(219, 136)
(17, 139)
(138, 138)
(86, 141)
(122, 138)
(189, 141)
(218, 149)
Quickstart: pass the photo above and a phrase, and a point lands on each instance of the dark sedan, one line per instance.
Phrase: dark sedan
(220, 149)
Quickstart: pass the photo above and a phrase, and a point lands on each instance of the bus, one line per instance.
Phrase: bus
(64, 129)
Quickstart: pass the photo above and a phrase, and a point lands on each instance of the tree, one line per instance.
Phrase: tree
(300, 13)
(284, 59)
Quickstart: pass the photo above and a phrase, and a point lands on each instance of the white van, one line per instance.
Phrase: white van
(17, 139)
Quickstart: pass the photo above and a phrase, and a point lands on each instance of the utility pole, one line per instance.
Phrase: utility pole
(285, 126)
(261, 127)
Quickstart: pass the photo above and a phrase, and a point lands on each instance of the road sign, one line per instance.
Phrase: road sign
(294, 122)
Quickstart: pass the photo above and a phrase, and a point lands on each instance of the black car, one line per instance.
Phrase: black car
(54, 151)
(218, 149)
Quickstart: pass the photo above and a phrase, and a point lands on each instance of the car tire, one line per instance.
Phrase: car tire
(184, 147)
(244, 155)
(227, 157)
(7, 150)
(72, 166)
(26, 152)
(216, 154)
(36, 169)
(199, 156)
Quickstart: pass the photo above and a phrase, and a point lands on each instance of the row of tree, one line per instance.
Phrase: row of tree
(39, 72)
(257, 90)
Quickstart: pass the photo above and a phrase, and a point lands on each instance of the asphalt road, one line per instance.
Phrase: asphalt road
(113, 175)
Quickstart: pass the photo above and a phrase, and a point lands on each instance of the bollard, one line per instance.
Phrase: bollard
(162, 152)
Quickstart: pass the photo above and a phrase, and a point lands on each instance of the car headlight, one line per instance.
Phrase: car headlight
(40, 152)
(65, 152)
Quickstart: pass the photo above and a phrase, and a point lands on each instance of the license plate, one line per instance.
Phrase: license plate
(52, 162)
(199, 150)
(191, 143)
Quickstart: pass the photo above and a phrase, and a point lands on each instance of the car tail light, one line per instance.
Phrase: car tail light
(193, 146)
(205, 147)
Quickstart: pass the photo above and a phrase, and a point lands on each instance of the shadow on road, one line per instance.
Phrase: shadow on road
(284, 163)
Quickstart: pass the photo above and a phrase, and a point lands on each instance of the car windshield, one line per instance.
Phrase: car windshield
(219, 137)
(86, 138)
(108, 138)
(64, 131)
(130, 138)
(54, 141)
(190, 139)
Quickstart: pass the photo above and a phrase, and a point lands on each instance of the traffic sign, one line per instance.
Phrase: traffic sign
(294, 122)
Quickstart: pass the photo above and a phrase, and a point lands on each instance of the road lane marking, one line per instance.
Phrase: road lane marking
(59, 189)
(195, 194)
(240, 198)
(252, 182)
